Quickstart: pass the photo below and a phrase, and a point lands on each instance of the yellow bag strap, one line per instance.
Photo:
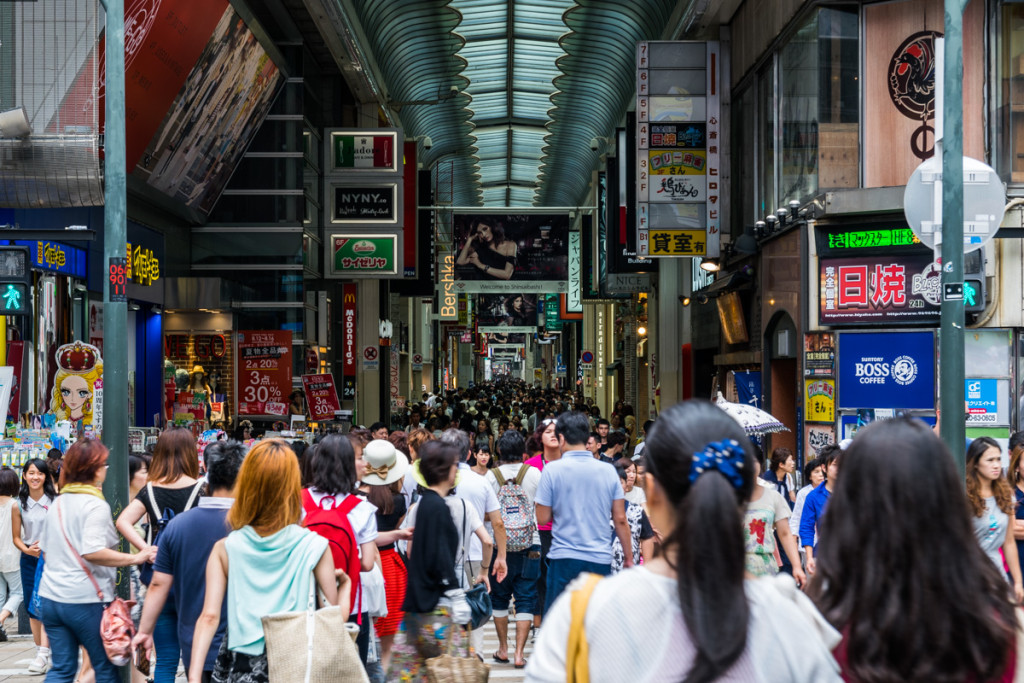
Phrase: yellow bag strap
(577, 656)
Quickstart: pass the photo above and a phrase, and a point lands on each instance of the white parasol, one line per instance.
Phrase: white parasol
(753, 420)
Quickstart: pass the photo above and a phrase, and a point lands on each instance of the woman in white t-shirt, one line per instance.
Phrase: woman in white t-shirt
(78, 540)
(335, 476)
(767, 516)
(690, 613)
(36, 497)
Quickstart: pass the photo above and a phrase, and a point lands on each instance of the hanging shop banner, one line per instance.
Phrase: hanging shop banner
(820, 400)
(552, 322)
(748, 387)
(363, 255)
(365, 204)
(887, 370)
(349, 297)
(264, 372)
(574, 294)
(504, 314)
(677, 156)
(902, 288)
(510, 253)
(819, 355)
(899, 94)
(364, 151)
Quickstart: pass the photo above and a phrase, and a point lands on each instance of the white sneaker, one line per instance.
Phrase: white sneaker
(39, 665)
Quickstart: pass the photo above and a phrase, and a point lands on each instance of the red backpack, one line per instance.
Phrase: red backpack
(334, 525)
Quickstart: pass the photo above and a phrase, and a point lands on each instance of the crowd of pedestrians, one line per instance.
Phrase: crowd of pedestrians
(677, 554)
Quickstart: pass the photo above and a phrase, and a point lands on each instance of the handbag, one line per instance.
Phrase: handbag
(577, 655)
(116, 626)
(477, 596)
(314, 646)
(449, 668)
(479, 605)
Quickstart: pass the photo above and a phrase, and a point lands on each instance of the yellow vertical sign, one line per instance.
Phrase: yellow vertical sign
(820, 400)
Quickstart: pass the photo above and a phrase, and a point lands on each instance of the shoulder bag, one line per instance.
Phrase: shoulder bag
(577, 656)
(477, 596)
(313, 646)
(116, 627)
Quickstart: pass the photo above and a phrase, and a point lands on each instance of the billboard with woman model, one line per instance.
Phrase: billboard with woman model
(524, 253)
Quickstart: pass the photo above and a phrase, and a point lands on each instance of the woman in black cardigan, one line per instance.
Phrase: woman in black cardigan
(435, 606)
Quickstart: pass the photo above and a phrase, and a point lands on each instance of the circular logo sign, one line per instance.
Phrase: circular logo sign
(587, 357)
(417, 359)
(370, 353)
(364, 247)
(912, 87)
(904, 370)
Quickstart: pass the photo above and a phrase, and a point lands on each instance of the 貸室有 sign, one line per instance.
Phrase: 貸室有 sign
(887, 370)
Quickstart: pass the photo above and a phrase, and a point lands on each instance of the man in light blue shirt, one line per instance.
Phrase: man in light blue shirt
(578, 495)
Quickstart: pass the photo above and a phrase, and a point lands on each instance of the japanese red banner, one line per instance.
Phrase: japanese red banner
(879, 289)
(264, 372)
(321, 396)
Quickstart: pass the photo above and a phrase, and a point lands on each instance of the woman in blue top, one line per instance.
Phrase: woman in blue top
(265, 519)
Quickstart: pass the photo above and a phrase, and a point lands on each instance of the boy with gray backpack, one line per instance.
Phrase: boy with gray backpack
(515, 484)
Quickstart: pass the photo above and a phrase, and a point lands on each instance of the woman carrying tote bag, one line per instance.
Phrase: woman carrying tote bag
(265, 519)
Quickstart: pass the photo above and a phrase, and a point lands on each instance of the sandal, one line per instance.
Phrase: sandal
(498, 659)
(521, 666)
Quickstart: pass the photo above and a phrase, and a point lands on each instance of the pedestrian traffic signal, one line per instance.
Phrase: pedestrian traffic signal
(15, 280)
(974, 294)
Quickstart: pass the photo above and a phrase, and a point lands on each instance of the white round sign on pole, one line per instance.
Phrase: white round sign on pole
(984, 202)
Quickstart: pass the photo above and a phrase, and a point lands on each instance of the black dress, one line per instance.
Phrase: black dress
(495, 262)
(435, 543)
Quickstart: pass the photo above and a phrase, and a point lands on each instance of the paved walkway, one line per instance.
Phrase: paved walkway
(17, 653)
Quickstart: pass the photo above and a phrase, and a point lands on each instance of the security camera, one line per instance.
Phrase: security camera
(595, 144)
(427, 142)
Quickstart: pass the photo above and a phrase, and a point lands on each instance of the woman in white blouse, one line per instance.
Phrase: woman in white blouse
(691, 613)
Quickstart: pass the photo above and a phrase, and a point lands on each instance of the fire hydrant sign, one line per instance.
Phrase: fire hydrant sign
(264, 372)
(321, 396)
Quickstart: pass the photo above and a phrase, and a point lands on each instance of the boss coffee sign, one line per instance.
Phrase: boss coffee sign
(887, 370)
(903, 288)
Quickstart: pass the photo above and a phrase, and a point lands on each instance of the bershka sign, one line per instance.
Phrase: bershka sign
(349, 296)
(887, 370)
(901, 288)
(447, 299)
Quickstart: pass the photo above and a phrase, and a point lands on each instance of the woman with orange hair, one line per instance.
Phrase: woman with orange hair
(267, 535)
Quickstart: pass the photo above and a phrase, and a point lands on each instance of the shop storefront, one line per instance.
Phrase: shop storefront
(198, 371)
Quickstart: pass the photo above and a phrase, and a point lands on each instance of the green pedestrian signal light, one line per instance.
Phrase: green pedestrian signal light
(14, 299)
(970, 295)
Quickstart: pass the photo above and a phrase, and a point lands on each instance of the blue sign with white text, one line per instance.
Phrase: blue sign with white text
(887, 370)
(748, 387)
(982, 400)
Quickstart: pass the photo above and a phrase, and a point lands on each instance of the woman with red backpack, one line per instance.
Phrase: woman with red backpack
(332, 509)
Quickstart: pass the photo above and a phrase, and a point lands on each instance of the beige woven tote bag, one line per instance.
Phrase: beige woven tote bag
(312, 646)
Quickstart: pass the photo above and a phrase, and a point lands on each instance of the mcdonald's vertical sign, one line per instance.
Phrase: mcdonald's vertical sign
(348, 345)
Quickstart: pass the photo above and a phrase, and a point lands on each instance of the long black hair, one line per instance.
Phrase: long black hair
(48, 487)
(708, 534)
(333, 466)
(899, 571)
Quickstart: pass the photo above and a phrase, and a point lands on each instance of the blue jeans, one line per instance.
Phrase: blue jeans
(28, 581)
(71, 625)
(562, 572)
(521, 581)
(165, 642)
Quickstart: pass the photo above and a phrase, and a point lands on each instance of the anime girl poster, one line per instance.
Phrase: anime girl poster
(79, 368)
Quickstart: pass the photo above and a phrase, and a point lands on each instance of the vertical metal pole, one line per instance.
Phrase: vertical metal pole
(115, 314)
(951, 330)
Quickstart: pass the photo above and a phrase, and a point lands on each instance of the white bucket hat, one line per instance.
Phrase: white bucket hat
(385, 464)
